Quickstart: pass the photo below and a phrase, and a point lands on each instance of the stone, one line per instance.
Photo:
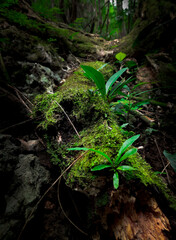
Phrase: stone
(43, 77)
(22, 179)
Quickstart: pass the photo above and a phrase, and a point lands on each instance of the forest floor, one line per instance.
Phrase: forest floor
(154, 141)
(57, 213)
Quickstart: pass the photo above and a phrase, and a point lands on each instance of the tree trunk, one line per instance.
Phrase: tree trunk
(107, 21)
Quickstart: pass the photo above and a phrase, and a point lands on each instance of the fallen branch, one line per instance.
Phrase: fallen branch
(146, 119)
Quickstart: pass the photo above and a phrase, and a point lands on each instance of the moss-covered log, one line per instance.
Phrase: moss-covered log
(99, 130)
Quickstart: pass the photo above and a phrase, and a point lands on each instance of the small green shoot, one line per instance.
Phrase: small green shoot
(126, 132)
(107, 90)
(120, 56)
(114, 164)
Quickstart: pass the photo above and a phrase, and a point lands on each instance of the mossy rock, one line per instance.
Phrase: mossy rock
(98, 129)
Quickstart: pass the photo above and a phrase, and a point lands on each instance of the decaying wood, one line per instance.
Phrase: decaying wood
(134, 216)
(146, 119)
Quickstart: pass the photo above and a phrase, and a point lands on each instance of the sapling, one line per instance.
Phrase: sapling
(107, 90)
(114, 164)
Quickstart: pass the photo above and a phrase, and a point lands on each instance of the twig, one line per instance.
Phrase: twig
(39, 201)
(22, 95)
(40, 140)
(74, 57)
(165, 168)
(58, 196)
(3, 67)
(68, 119)
(17, 124)
(23, 101)
(146, 119)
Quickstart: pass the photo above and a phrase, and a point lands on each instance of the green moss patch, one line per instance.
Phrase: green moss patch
(74, 92)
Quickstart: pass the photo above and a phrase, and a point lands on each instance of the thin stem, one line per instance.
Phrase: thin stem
(162, 160)
(58, 196)
(68, 119)
(165, 167)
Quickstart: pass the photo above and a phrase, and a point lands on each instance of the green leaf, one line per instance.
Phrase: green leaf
(116, 180)
(139, 84)
(120, 56)
(125, 145)
(127, 154)
(124, 125)
(130, 64)
(171, 158)
(157, 172)
(97, 77)
(104, 65)
(113, 78)
(93, 150)
(138, 104)
(119, 86)
(100, 167)
(139, 93)
(125, 168)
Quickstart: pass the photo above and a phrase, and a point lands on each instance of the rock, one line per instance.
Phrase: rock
(42, 78)
(21, 180)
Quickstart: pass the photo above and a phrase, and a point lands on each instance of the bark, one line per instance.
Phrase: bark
(73, 11)
(63, 16)
(100, 16)
(107, 23)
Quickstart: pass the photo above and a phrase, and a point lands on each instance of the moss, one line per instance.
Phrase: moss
(74, 92)
(101, 137)
(21, 19)
(106, 137)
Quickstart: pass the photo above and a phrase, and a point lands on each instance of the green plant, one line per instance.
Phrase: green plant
(120, 56)
(51, 39)
(114, 164)
(129, 102)
(78, 23)
(45, 9)
(20, 18)
(7, 3)
(126, 132)
(107, 90)
(149, 131)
